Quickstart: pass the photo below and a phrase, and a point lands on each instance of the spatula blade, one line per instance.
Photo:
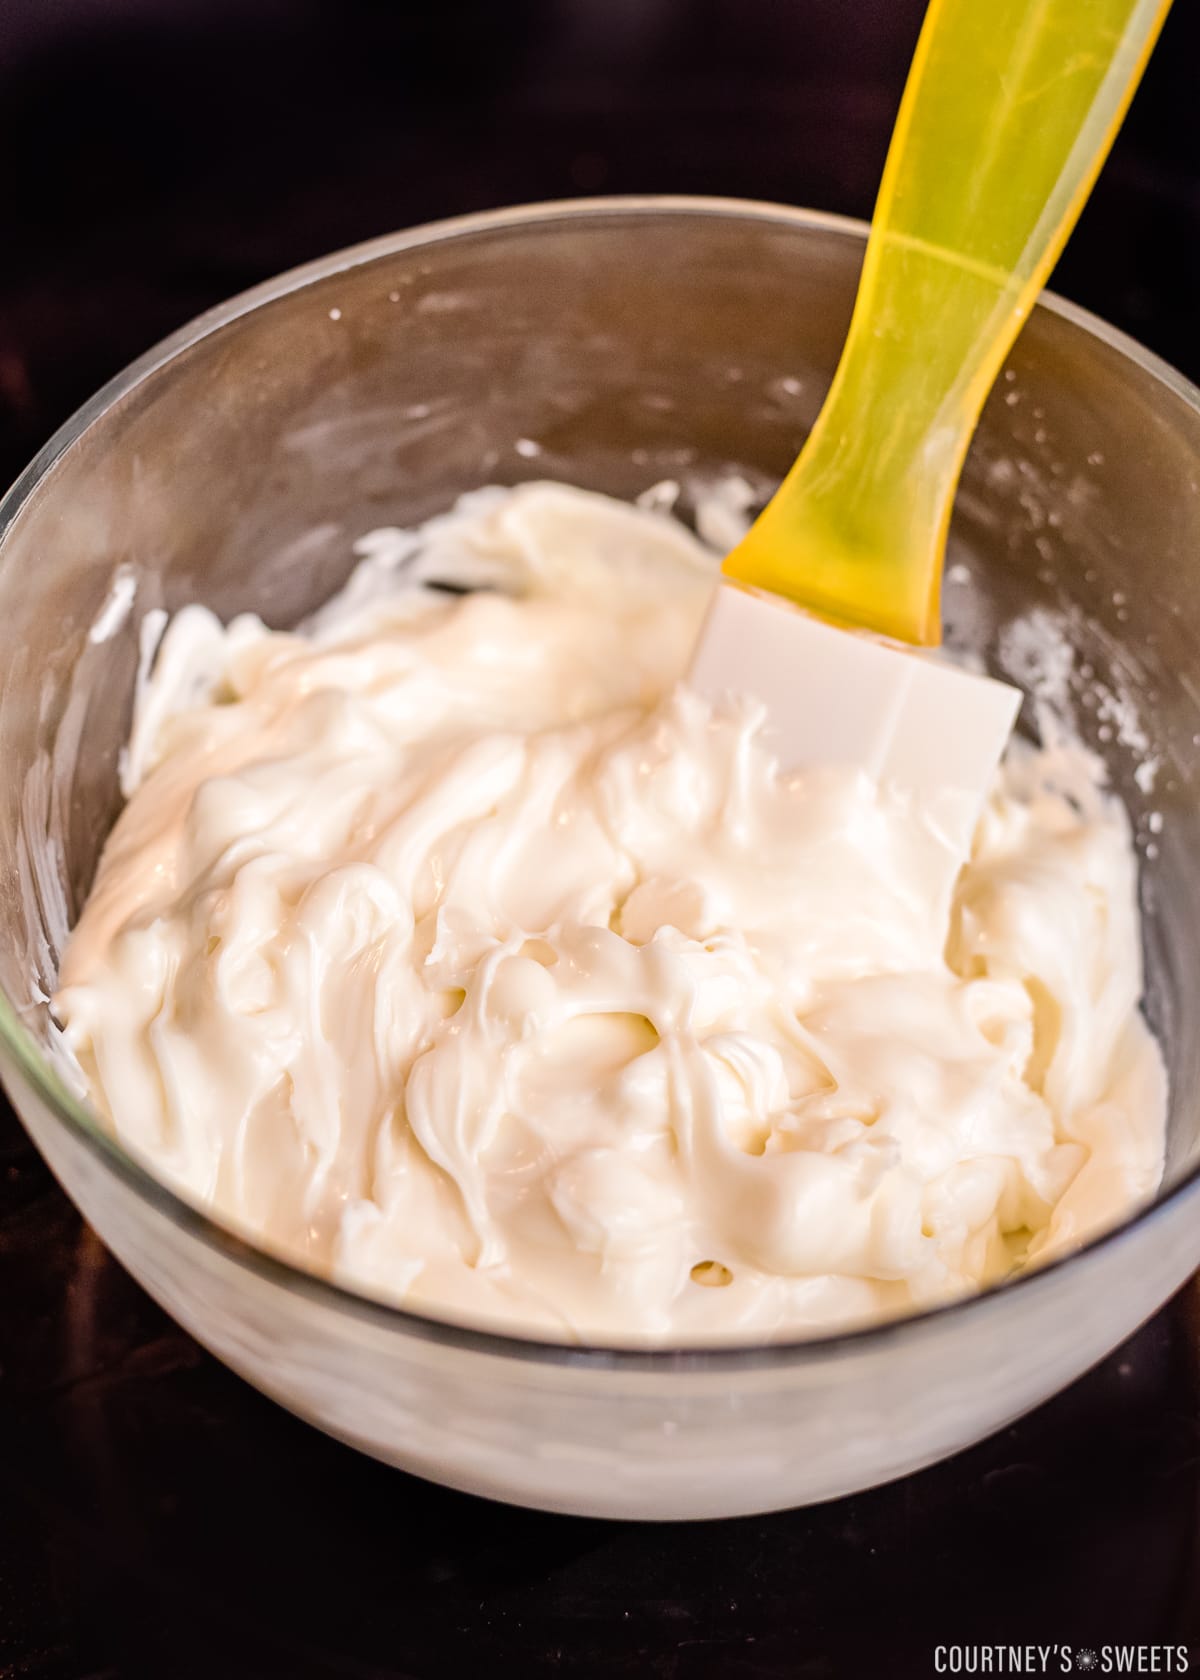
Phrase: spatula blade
(843, 697)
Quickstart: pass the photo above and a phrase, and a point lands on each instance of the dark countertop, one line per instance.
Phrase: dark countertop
(157, 1517)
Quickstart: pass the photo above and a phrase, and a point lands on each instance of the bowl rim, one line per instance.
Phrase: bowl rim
(19, 1049)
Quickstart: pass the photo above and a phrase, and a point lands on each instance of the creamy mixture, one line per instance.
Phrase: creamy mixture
(453, 948)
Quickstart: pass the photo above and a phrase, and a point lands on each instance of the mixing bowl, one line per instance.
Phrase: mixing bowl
(611, 343)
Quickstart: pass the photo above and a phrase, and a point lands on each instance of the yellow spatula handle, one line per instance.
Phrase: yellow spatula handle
(1009, 111)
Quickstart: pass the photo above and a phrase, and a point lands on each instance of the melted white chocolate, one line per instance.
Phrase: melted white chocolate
(453, 948)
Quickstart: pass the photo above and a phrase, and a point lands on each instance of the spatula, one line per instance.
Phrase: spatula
(823, 608)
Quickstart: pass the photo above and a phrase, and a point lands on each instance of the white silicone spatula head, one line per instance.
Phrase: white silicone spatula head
(1009, 111)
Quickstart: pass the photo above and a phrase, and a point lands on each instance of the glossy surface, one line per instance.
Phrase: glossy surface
(453, 947)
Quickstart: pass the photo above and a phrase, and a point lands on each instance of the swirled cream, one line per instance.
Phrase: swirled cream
(453, 948)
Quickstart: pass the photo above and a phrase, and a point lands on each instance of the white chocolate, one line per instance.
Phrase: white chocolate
(456, 950)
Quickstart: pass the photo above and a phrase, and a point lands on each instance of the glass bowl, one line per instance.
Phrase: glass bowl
(610, 343)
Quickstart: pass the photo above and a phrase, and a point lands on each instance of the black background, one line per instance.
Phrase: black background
(156, 1517)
